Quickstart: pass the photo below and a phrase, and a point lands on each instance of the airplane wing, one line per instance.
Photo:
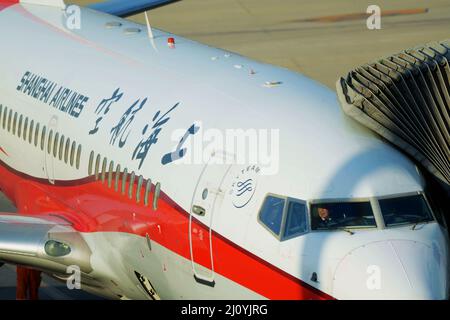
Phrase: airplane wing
(126, 8)
(49, 244)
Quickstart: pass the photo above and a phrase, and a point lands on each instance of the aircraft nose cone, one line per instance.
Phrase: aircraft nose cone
(395, 269)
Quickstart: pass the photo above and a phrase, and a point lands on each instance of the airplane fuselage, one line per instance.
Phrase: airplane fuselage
(117, 135)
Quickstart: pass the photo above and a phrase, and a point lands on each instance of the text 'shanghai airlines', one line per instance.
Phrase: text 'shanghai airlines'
(162, 168)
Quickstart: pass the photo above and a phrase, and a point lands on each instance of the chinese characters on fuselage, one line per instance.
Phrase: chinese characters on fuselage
(122, 128)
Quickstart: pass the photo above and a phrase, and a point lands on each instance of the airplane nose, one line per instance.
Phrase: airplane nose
(395, 269)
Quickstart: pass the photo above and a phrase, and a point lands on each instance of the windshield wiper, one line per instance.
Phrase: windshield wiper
(423, 220)
(347, 230)
(343, 229)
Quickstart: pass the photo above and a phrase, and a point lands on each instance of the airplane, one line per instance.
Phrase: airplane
(114, 150)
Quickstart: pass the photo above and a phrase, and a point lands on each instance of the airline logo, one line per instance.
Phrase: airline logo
(244, 186)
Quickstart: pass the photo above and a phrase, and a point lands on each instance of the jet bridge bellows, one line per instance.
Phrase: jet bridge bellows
(405, 98)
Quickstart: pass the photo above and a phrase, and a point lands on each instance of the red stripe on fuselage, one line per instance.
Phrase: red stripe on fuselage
(93, 207)
(6, 4)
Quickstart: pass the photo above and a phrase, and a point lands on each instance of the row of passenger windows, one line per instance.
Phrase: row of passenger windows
(122, 181)
(50, 141)
(62, 148)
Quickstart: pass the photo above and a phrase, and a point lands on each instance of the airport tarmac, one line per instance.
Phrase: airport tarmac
(322, 39)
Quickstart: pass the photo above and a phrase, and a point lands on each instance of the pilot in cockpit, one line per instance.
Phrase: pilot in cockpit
(324, 215)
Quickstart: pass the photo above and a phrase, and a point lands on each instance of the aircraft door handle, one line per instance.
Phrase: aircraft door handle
(200, 211)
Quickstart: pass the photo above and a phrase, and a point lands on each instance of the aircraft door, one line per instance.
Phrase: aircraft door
(207, 198)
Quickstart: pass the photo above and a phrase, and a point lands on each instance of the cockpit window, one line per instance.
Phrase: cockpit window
(271, 214)
(328, 216)
(405, 210)
(295, 220)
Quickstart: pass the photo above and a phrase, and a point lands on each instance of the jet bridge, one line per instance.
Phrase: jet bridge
(405, 98)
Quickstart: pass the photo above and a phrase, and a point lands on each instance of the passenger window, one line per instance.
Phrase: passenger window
(72, 153)
(104, 164)
(25, 129)
(91, 162)
(14, 123)
(19, 128)
(66, 151)
(110, 173)
(36, 135)
(55, 145)
(295, 220)
(78, 158)
(5, 117)
(9, 120)
(139, 189)
(156, 195)
(43, 135)
(97, 166)
(5, 113)
(131, 186)
(61, 148)
(124, 180)
(30, 134)
(50, 140)
(148, 188)
(271, 214)
(117, 178)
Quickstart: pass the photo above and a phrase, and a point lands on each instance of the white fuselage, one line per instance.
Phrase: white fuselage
(317, 153)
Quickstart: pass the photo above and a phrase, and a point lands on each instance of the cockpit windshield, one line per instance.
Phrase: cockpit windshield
(405, 210)
(339, 215)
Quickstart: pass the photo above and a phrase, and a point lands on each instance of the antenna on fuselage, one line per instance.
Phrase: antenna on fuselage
(150, 31)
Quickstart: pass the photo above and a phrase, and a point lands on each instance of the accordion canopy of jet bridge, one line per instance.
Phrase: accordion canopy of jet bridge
(405, 98)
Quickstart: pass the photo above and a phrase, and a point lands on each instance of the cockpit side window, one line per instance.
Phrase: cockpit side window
(296, 220)
(271, 214)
